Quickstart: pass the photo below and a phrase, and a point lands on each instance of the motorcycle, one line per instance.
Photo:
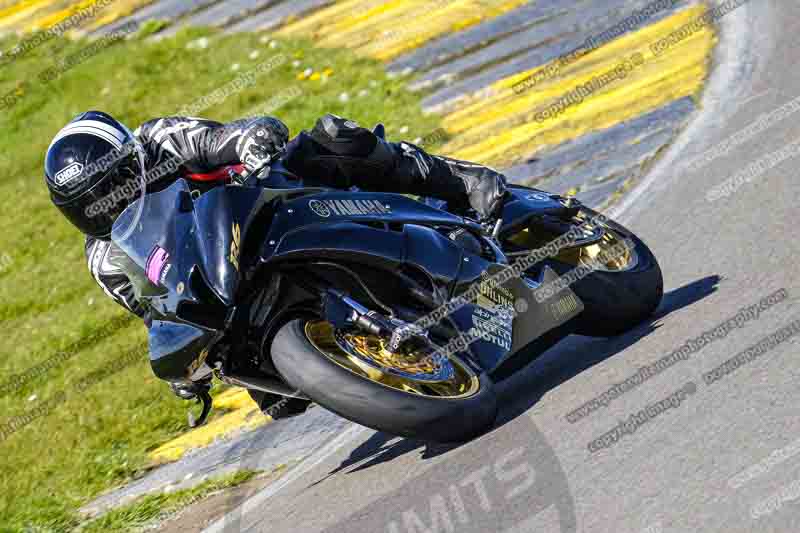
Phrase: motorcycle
(385, 310)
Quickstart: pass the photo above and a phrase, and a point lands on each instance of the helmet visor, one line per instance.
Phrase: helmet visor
(95, 211)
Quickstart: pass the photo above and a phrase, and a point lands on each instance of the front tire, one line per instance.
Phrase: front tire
(357, 397)
(617, 301)
(617, 297)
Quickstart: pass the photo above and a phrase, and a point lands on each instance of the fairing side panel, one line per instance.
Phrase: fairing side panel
(342, 240)
(389, 230)
(417, 246)
(222, 219)
(336, 207)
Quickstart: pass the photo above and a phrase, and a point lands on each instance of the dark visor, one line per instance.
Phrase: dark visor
(95, 211)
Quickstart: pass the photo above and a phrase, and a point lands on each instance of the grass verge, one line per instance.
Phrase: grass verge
(159, 507)
(58, 326)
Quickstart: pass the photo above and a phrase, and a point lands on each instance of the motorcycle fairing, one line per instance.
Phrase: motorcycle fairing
(199, 272)
(205, 233)
(331, 207)
(203, 238)
(317, 227)
(177, 350)
(419, 246)
(379, 228)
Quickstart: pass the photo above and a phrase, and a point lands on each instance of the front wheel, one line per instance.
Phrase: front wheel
(621, 290)
(410, 395)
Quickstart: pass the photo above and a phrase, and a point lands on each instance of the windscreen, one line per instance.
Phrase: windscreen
(147, 232)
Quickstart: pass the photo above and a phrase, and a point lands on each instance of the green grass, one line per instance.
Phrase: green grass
(98, 439)
(149, 508)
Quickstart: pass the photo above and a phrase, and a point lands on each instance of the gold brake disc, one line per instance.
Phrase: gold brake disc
(608, 253)
(413, 370)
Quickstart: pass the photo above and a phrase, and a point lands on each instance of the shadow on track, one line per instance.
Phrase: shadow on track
(576, 354)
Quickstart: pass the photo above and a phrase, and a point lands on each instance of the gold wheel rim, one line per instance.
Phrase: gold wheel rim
(611, 253)
(367, 356)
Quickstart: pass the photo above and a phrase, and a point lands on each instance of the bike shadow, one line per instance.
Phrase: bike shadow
(576, 353)
(524, 389)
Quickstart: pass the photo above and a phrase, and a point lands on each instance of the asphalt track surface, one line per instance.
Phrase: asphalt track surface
(534, 471)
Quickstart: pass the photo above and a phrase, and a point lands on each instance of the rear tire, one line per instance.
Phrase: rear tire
(375, 405)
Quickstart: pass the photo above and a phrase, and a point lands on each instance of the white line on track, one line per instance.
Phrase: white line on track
(297, 472)
(727, 90)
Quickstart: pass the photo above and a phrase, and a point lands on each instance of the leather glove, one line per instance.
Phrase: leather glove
(485, 187)
(262, 139)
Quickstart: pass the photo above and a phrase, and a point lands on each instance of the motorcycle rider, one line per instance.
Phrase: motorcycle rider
(91, 161)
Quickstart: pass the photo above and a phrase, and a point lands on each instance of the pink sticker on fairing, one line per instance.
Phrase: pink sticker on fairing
(155, 264)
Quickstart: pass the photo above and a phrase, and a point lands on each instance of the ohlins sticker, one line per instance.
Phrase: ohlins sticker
(157, 266)
(494, 315)
(326, 208)
(492, 294)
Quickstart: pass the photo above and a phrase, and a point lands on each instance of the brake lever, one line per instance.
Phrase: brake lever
(236, 178)
(243, 178)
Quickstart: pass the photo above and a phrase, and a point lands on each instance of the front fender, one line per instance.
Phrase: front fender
(523, 204)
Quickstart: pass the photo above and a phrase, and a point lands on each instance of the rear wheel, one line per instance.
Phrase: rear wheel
(625, 285)
(412, 394)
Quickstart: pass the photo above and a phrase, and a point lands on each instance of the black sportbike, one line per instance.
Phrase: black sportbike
(387, 311)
